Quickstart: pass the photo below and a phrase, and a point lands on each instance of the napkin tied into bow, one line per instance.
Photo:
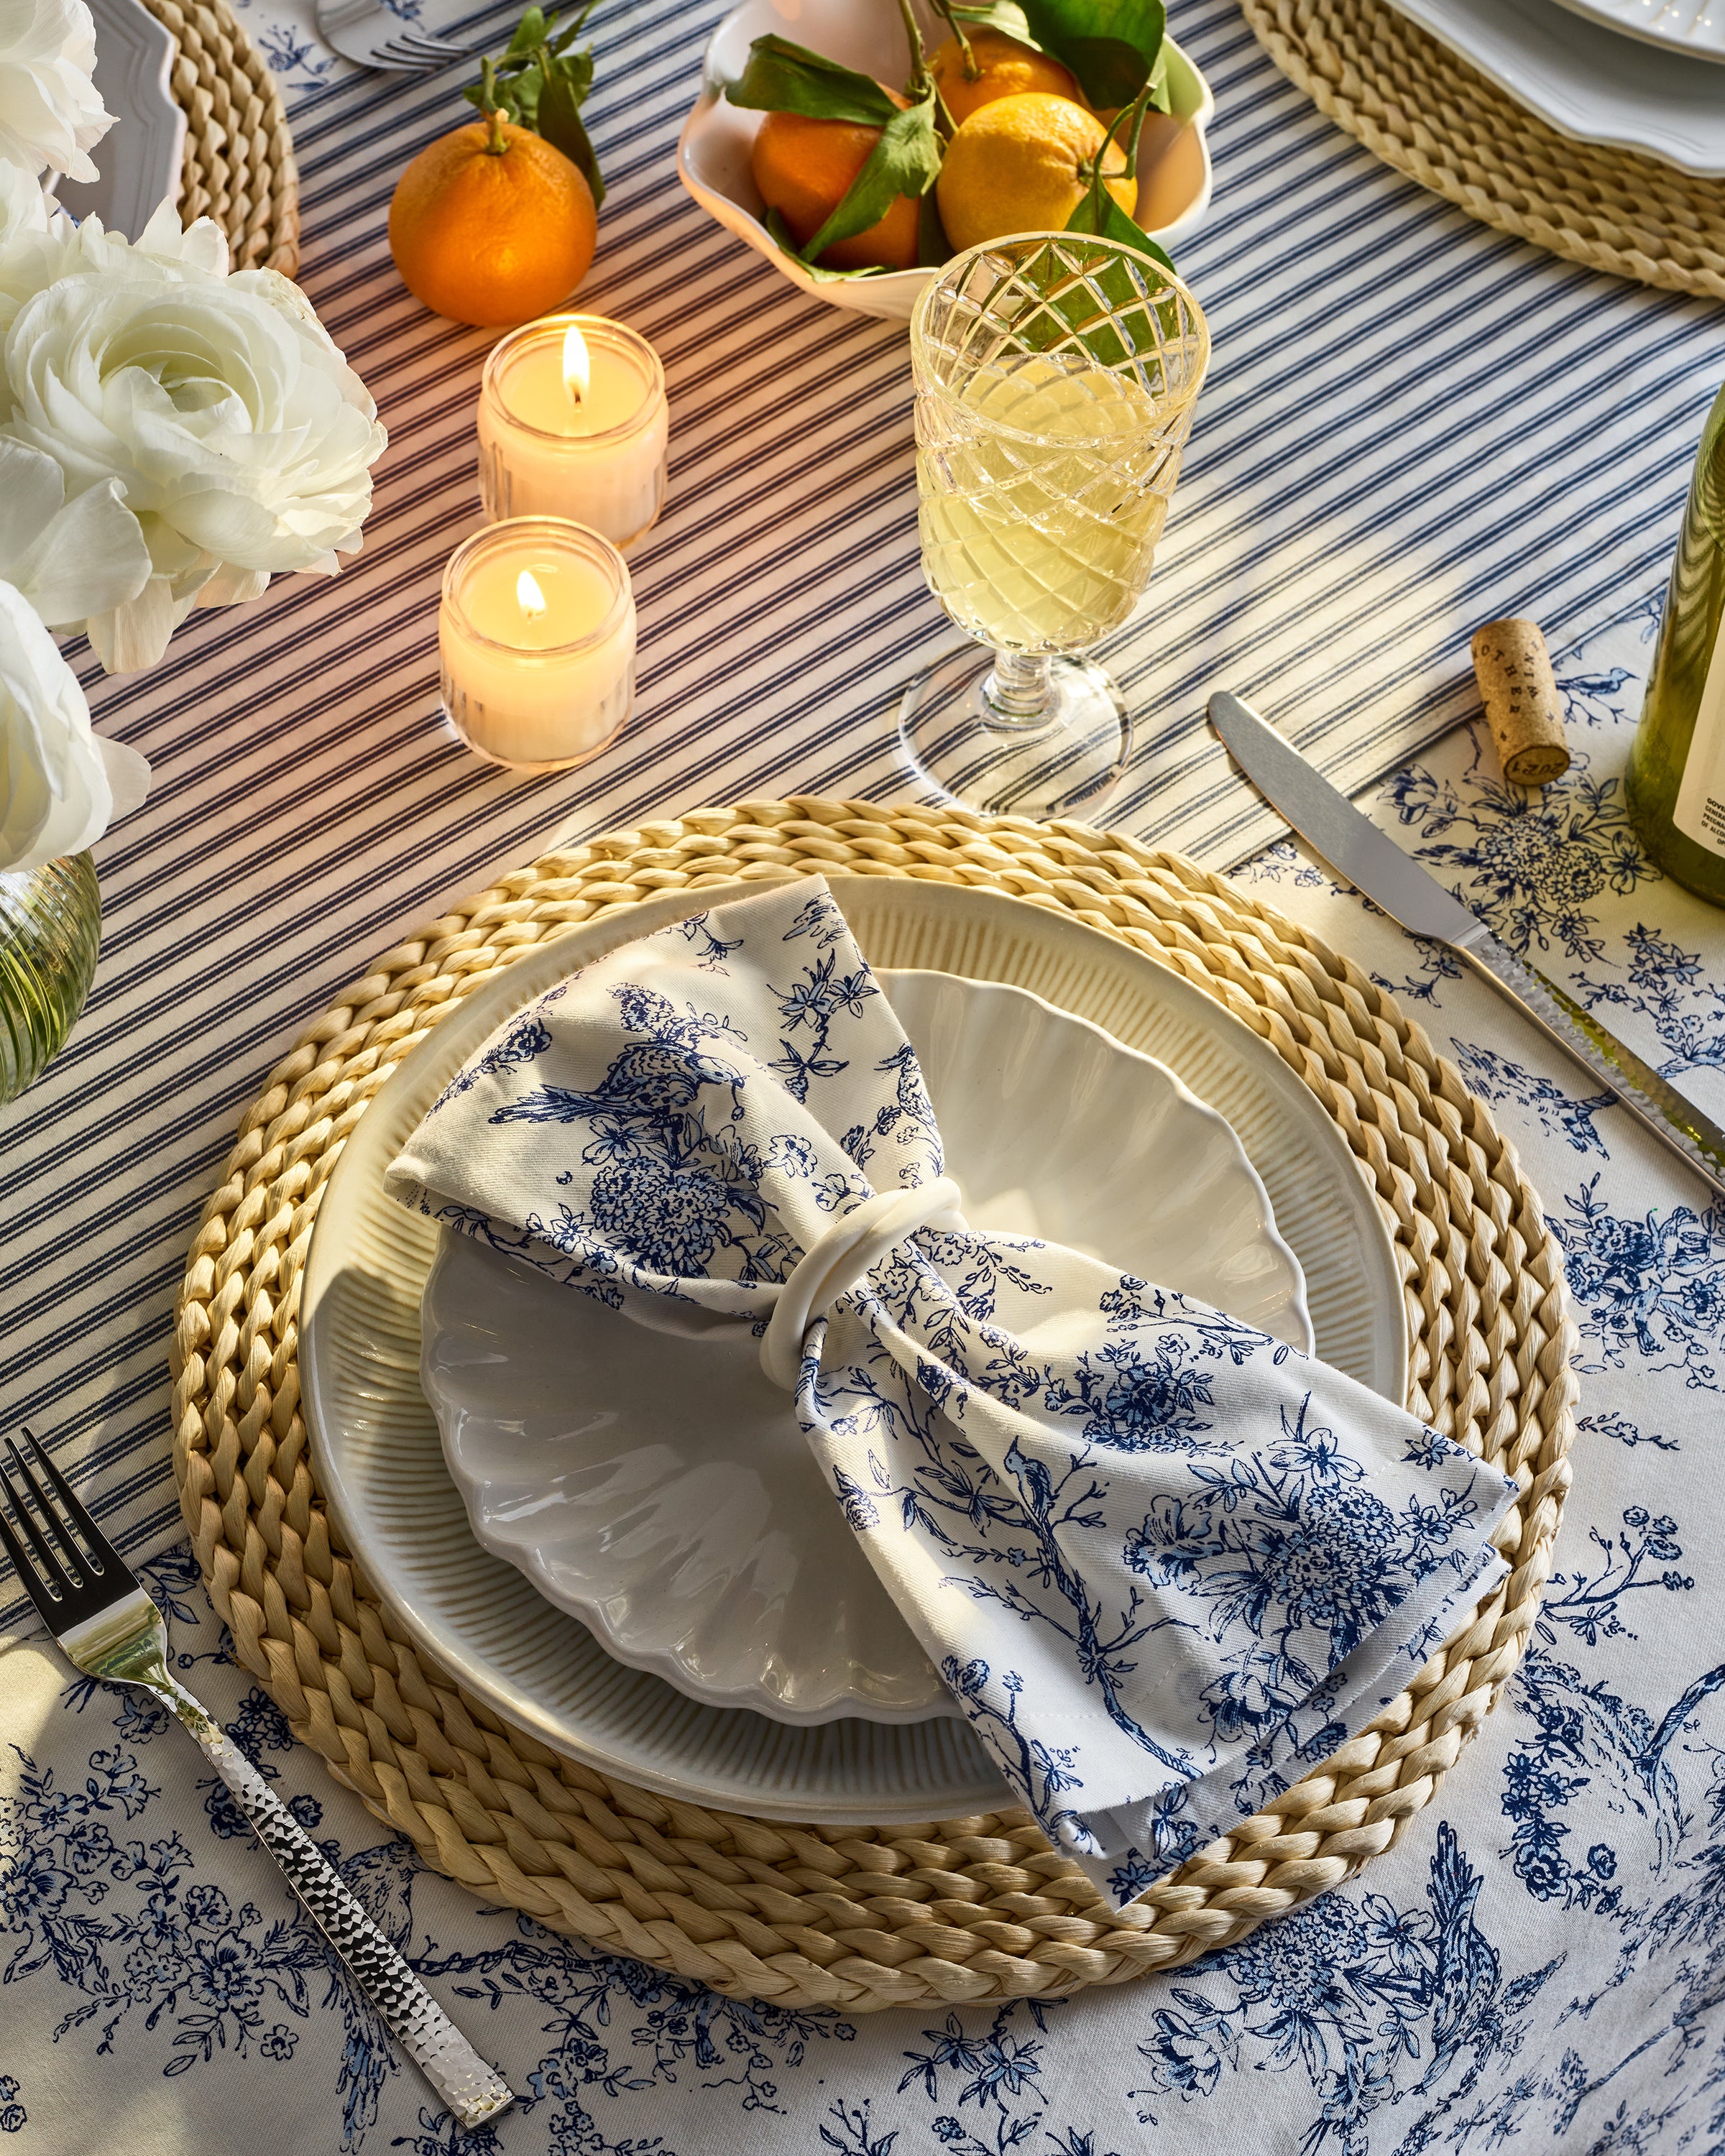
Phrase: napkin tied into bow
(1164, 1561)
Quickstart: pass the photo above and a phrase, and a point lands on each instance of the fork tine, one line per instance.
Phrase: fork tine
(80, 1568)
(48, 1565)
(25, 1571)
(408, 55)
(437, 47)
(106, 1557)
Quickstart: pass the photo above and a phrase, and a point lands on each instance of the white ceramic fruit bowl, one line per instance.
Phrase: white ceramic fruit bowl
(713, 149)
(656, 1486)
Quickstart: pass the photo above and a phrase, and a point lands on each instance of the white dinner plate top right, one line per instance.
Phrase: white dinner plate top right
(1592, 84)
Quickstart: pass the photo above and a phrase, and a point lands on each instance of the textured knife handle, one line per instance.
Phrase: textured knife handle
(461, 2077)
(1652, 1099)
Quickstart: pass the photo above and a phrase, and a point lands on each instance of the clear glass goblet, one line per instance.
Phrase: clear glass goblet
(1055, 376)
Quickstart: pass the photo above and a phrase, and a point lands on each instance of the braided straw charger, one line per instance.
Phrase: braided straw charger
(238, 166)
(958, 1909)
(1419, 107)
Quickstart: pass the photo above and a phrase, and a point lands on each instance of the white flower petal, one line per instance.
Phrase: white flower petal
(88, 556)
(50, 113)
(127, 774)
(134, 635)
(54, 796)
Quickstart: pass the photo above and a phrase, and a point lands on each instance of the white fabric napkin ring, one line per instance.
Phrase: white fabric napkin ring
(858, 1240)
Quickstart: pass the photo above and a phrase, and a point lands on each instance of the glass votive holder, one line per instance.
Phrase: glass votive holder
(550, 445)
(536, 636)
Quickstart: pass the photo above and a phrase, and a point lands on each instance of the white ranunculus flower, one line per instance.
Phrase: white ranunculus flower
(50, 111)
(241, 439)
(59, 784)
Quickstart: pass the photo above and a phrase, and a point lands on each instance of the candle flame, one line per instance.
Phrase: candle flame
(578, 368)
(528, 596)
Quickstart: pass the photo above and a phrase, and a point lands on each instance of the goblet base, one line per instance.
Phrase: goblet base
(1008, 736)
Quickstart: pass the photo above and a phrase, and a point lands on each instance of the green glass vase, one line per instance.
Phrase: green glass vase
(50, 931)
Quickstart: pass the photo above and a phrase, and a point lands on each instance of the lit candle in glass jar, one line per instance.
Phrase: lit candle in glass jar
(537, 632)
(572, 422)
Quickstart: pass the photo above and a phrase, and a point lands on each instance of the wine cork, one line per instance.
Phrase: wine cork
(1522, 706)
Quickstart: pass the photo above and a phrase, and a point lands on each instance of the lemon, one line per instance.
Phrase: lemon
(1021, 164)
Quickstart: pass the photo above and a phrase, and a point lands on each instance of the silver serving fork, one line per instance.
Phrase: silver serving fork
(106, 1625)
(373, 36)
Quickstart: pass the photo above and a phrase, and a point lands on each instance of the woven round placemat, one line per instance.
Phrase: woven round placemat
(1416, 105)
(958, 1909)
(238, 166)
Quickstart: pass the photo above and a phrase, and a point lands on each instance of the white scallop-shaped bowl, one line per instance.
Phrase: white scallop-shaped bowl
(713, 152)
(657, 1486)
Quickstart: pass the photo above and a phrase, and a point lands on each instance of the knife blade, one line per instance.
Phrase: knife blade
(1370, 859)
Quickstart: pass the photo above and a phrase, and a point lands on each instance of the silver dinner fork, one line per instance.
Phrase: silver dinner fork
(108, 1628)
(373, 36)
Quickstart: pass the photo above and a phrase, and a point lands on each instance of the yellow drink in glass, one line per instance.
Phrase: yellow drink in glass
(1055, 374)
(1039, 512)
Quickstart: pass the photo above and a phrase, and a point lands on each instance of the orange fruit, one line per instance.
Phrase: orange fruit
(492, 236)
(803, 168)
(1004, 68)
(1019, 164)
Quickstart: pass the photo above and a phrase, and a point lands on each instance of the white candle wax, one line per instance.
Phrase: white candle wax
(537, 632)
(552, 444)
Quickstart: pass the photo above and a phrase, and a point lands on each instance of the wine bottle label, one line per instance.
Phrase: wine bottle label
(1700, 811)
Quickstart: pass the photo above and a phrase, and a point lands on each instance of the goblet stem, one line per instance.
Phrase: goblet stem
(1019, 691)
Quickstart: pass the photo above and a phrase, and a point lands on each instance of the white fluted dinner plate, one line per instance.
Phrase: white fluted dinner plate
(706, 1545)
(1590, 83)
(375, 1439)
(137, 161)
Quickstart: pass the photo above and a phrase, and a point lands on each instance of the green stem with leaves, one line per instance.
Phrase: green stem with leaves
(920, 81)
(1133, 115)
(973, 65)
(494, 144)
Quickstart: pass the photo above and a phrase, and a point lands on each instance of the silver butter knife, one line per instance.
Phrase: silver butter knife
(1374, 865)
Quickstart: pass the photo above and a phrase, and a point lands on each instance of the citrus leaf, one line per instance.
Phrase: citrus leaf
(1098, 212)
(905, 160)
(529, 32)
(786, 239)
(933, 247)
(576, 71)
(782, 77)
(559, 120)
(1112, 46)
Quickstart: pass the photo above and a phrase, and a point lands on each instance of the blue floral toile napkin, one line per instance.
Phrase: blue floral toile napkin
(1164, 1560)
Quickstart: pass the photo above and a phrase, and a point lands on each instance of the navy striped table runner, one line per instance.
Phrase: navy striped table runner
(1412, 424)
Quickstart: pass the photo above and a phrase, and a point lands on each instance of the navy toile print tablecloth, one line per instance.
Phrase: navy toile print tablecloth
(1540, 1964)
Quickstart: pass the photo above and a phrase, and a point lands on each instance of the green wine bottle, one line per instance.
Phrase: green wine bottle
(1677, 769)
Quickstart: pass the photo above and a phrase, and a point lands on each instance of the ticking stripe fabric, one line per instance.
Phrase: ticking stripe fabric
(1412, 424)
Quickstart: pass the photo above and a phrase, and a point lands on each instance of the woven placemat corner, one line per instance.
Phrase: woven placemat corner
(1417, 105)
(856, 1919)
(238, 166)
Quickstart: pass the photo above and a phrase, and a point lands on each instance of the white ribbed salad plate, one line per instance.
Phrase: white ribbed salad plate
(702, 1541)
(375, 1440)
(1590, 83)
